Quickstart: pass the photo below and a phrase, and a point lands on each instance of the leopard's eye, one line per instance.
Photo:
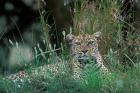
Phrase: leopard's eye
(90, 42)
(77, 43)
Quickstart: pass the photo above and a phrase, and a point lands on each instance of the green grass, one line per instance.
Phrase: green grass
(92, 82)
(115, 51)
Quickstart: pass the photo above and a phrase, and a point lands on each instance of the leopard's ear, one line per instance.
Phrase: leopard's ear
(69, 38)
(97, 34)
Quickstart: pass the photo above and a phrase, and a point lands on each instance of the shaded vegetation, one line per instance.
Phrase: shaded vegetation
(104, 16)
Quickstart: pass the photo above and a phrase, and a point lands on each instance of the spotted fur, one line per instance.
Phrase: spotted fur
(23, 77)
(84, 49)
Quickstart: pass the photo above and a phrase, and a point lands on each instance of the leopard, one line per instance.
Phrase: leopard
(29, 76)
(83, 50)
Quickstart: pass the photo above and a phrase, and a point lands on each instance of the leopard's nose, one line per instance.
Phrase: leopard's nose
(84, 51)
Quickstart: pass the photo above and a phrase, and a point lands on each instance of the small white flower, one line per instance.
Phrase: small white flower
(17, 45)
(41, 51)
(44, 41)
(35, 50)
(18, 86)
(22, 80)
(10, 41)
(64, 34)
(70, 30)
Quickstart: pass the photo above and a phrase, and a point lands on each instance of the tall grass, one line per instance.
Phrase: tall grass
(104, 16)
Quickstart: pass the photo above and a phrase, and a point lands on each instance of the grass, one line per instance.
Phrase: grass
(116, 52)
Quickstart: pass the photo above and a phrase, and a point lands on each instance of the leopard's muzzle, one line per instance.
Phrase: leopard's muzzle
(84, 59)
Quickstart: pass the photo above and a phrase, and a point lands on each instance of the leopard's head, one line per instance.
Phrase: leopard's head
(84, 47)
